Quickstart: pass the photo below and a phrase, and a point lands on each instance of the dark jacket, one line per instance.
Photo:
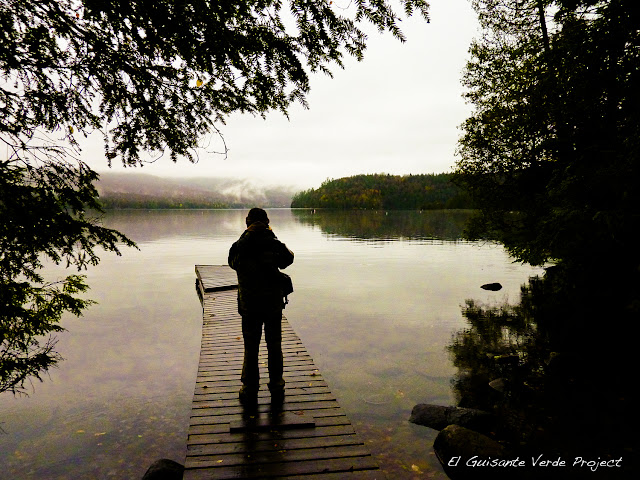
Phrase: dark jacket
(256, 258)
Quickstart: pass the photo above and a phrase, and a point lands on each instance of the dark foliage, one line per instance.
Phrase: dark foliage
(43, 211)
(550, 157)
(555, 132)
(156, 75)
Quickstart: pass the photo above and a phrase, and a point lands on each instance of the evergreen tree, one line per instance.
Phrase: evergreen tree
(550, 154)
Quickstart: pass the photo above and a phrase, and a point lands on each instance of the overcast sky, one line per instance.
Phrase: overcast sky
(397, 111)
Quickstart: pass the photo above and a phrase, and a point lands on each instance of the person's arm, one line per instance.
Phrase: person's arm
(233, 256)
(285, 256)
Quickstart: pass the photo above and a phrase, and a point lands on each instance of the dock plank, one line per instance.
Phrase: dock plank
(307, 435)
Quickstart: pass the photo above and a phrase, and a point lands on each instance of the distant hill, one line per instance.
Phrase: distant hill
(381, 191)
(138, 190)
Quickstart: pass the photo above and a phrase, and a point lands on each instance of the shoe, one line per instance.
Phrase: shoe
(277, 395)
(248, 395)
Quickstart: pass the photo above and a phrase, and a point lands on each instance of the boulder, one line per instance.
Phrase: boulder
(457, 447)
(439, 417)
(164, 469)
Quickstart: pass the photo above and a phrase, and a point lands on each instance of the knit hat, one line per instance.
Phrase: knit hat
(257, 215)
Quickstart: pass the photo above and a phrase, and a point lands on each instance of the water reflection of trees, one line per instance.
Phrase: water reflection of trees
(556, 367)
(381, 225)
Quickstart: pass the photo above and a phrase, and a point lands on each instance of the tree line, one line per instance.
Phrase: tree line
(121, 201)
(384, 191)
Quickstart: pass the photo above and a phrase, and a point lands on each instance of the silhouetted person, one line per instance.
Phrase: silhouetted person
(257, 257)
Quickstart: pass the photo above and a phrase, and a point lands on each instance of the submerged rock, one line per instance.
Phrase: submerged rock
(439, 417)
(494, 287)
(499, 384)
(164, 469)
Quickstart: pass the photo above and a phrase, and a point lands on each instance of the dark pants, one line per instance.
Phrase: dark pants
(252, 332)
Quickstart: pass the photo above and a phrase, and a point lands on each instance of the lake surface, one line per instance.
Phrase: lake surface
(377, 299)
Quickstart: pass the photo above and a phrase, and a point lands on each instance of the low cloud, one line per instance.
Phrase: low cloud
(131, 190)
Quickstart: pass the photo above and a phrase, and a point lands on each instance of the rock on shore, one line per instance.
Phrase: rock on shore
(164, 469)
(439, 417)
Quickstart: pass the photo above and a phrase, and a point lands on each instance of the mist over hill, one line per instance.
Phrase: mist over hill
(139, 190)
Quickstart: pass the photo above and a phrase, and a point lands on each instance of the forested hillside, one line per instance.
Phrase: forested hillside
(133, 190)
(382, 191)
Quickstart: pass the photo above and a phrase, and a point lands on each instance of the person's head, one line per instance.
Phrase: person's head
(257, 215)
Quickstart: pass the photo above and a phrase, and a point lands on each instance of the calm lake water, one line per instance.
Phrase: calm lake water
(377, 299)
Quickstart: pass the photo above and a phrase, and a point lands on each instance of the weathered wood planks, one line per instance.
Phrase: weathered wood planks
(307, 436)
(211, 278)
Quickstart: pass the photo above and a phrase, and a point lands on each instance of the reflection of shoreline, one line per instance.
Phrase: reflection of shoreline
(152, 225)
(531, 366)
(383, 225)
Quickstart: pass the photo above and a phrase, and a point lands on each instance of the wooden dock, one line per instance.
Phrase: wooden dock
(308, 436)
